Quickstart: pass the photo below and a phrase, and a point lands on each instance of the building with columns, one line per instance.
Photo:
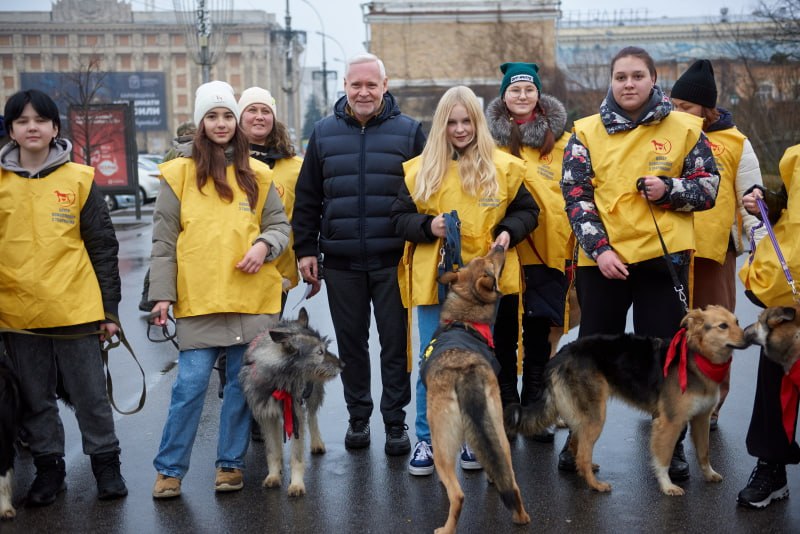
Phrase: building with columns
(148, 51)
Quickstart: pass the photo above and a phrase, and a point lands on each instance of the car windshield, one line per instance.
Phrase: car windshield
(148, 164)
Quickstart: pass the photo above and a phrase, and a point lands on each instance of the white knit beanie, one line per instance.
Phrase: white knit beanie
(256, 95)
(212, 95)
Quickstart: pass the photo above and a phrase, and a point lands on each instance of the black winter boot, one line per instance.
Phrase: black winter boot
(49, 481)
(678, 467)
(110, 484)
(508, 391)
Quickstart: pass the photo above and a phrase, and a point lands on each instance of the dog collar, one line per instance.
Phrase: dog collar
(714, 371)
(790, 394)
(484, 329)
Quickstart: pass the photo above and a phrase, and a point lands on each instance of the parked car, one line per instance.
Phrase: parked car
(149, 183)
(115, 202)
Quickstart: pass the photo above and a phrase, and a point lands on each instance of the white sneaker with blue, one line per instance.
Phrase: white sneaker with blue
(468, 459)
(421, 459)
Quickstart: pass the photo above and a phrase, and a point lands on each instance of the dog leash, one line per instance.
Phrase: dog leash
(676, 283)
(450, 253)
(107, 345)
(762, 208)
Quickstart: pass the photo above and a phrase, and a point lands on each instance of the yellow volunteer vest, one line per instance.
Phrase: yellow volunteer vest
(713, 227)
(552, 234)
(214, 237)
(478, 216)
(46, 276)
(618, 161)
(284, 176)
(764, 276)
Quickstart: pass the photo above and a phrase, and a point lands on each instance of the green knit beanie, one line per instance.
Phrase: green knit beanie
(519, 72)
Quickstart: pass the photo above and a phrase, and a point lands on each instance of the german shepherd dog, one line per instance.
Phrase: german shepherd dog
(283, 376)
(585, 373)
(463, 393)
(9, 421)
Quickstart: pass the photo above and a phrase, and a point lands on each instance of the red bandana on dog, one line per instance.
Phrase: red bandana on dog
(288, 419)
(790, 393)
(714, 371)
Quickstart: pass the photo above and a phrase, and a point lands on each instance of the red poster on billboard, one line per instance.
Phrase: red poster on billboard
(98, 140)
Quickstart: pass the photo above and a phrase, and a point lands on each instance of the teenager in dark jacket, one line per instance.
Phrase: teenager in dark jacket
(349, 179)
(58, 276)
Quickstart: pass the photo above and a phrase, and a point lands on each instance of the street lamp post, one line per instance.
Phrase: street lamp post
(325, 70)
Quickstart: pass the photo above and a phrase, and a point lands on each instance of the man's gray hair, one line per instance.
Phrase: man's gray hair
(365, 58)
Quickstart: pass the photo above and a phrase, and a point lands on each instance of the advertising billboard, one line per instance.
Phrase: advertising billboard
(145, 91)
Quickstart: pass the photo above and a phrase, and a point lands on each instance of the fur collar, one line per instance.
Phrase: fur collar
(555, 118)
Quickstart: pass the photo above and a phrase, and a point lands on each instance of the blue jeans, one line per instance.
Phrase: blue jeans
(186, 406)
(427, 322)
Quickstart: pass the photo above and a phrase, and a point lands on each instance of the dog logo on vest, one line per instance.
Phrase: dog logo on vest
(280, 190)
(65, 199)
(661, 147)
(716, 149)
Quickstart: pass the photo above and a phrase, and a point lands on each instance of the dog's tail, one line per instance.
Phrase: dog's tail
(533, 418)
(483, 437)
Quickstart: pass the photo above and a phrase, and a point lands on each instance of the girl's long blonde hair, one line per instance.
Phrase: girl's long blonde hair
(475, 166)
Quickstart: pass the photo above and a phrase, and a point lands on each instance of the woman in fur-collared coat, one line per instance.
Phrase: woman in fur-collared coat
(530, 125)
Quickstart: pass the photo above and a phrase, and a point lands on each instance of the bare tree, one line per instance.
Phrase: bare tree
(82, 89)
(785, 14)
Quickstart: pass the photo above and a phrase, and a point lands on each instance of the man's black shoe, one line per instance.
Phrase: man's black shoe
(49, 481)
(357, 436)
(566, 461)
(110, 484)
(767, 483)
(678, 468)
(397, 442)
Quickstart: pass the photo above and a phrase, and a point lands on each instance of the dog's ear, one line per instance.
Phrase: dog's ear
(448, 278)
(780, 314)
(302, 318)
(279, 336)
(692, 318)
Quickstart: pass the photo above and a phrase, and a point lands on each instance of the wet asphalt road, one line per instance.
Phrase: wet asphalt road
(366, 491)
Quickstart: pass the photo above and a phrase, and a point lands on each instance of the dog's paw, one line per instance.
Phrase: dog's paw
(297, 490)
(711, 476)
(272, 481)
(520, 518)
(672, 490)
(318, 448)
(602, 487)
(8, 513)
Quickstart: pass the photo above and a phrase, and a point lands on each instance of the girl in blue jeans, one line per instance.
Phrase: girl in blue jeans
(218, 224)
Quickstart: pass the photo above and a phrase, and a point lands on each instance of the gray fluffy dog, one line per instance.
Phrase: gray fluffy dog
(283, 377)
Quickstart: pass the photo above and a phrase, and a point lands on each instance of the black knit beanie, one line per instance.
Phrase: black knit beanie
(697, 85)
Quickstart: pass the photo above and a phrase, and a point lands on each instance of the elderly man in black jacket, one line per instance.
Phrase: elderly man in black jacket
(351, 173)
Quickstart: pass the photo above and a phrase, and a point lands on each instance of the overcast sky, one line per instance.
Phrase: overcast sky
(343, 19)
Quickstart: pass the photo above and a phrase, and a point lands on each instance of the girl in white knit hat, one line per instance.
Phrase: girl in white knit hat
(218, 226)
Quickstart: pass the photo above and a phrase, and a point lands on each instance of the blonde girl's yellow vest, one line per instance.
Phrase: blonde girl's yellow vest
(551, 238)
(713, 227)
(764, 276)
(618, 161)
(479, 216)
(46, 276)
(214, 236)
(284, 176)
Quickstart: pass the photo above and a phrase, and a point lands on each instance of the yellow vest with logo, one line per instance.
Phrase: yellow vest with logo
(713, 227)
(46, 276)
(284, 176)
(765, 276)
(214, 236)
(551, 238)
(479, 216)
(618, 161)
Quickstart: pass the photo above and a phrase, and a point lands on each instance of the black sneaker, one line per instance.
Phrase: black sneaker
(767, 483)
(110, 484)
(357, 436)
(49, 481)
(678, 468)
(397, 442)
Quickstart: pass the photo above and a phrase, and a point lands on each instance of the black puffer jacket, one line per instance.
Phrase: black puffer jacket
(349, 179)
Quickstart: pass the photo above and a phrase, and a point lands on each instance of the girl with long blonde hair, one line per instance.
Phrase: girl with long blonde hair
(459, 170)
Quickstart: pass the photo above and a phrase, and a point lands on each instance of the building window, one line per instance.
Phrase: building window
(236, 80)
(60, 41)
(178, 39)
(61, 61)
(151, 40)
(90, 40)
(234, 60)
(33, 40)
(34, 61)
(152, 61)
(764, 91)
(125, 62)
(234, 39)
(5, 40)
(183, 101)
(123, 40)
(8, 82)
(7, 61)
(180, 81)
(180, 61)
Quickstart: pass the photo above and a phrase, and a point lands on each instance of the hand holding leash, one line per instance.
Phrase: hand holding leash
(651, 187)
